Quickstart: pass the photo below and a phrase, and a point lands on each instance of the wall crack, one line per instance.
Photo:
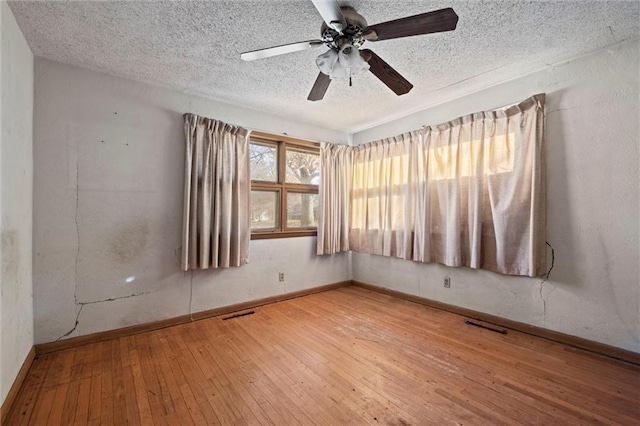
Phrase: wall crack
(541, 284)
(79, 305)
(111, 299)
(82, 304)
(613, 36)
(75, 288)
(75, 272)
(74, 326)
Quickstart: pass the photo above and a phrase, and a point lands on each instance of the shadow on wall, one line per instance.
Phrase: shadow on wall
(560, 226)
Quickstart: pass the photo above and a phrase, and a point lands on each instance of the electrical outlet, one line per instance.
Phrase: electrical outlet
(447, 282)
(281, 276)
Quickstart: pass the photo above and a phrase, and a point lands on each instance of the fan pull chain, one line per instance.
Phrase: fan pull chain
(350, 85)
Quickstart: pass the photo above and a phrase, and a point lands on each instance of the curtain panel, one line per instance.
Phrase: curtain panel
(383, 197)
(336, 168)
(216, 224)
(483, 202)
(470, 192)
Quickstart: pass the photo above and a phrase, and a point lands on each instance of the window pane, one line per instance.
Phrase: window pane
(302, 166)
(264, 209)
(302, 210)
(264, 162)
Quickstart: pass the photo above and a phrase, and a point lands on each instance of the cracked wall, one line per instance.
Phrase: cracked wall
(16, 179)
(109, 161)
(592, 141)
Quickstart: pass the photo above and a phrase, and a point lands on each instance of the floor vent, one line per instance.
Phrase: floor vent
(487, 326)
(239, 314)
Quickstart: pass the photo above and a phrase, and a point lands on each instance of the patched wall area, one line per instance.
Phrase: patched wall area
(16, 182)
(109, 164)
(592, 144)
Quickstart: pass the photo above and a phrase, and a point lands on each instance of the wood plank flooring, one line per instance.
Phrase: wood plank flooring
(346, 356)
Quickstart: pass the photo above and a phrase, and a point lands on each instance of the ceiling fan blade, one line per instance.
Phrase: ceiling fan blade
(386, 73)
(279, 50)
(425, 23)
(319, 87)
(330, 12)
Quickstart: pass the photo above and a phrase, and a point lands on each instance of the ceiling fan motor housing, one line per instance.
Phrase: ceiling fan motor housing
(352, 34)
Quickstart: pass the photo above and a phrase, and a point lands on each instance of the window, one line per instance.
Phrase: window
(285, 173)
(462, 160)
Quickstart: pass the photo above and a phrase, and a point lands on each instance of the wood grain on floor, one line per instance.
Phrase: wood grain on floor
(346, 356)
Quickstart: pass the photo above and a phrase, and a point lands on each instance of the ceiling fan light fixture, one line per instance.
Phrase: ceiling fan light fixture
(343, 64)
(327, 61)
(349, 56)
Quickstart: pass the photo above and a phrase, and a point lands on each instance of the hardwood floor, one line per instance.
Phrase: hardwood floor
(342, 356)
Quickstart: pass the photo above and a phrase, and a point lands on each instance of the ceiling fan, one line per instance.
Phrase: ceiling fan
(344, 31)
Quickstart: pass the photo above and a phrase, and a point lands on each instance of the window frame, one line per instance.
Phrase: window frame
(281, 186)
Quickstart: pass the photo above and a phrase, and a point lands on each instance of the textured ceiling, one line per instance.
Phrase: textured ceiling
(195, 47)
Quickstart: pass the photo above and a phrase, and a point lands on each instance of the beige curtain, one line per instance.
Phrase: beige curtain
(216, 224)
(484, 202)
(336, 168)
(470, 192)
(384, 195)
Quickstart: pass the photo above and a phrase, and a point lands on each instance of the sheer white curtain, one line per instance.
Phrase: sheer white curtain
(216, 222)
(336, 166)
(470, 192)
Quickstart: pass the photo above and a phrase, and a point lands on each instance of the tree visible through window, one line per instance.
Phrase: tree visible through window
(285, 173)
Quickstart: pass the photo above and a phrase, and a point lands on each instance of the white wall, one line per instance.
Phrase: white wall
(592, 139)
(16, 182)
(108, 183)
(108, 193)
